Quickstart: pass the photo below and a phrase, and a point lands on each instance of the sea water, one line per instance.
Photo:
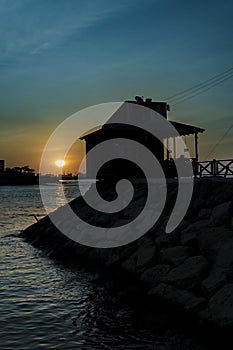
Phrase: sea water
(47, 305)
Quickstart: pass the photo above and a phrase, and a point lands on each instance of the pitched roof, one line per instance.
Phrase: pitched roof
(183, 129)
(186, 129)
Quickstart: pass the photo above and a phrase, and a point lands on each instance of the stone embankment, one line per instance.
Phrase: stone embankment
(191, 268)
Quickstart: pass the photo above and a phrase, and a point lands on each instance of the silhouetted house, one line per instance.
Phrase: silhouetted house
(119, 167)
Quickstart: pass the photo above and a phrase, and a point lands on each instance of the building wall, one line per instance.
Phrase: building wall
(122, 168)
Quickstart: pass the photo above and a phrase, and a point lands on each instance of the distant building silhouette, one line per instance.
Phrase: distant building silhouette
(17, 175)
(114, 130)
(2, 165)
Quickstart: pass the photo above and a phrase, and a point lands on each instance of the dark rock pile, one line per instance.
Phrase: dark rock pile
(191, 268)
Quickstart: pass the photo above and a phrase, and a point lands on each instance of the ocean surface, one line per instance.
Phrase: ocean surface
(46, 305)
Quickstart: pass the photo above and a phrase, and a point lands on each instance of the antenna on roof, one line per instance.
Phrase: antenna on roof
(139, 99)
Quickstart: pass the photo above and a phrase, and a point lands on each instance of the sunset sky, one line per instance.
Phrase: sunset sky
(59, 56)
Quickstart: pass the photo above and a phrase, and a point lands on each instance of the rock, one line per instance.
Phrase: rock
(225, 255)
(189, 235)
(189, 239)
(220, 308)
(99, 256)
(177, 297)
(189, 274)
(196, 226)
(130, 266)
(210, 241)
(154, 275)
(200, 193)
(220, 193)
(204, 213)
(118, 255)
(145, 252)
(220, 214)
(216, 280)
(164, 241)
(230, 218)
(143, 255)
(175, 255)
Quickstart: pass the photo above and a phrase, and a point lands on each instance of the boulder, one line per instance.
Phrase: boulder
(216, 280)
(175, 255)
(220, 193)
(154, 275)
(189, 274)
(220, 308)
(196, 226)
(200, 193)
(143, 255)
(211, 239)
(189, 235)
(220, 214)
(99, 256)
(164, 241)
(204, 213)
(130, 266)
(118, 255)
(177, 297)
(189, 239)
(224, 257)
(230, 216)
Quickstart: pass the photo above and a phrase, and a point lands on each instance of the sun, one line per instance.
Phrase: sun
(60, 163)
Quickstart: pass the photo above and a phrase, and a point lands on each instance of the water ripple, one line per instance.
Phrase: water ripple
(45, 305)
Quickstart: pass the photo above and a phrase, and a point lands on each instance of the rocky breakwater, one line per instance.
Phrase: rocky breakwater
(190, 268)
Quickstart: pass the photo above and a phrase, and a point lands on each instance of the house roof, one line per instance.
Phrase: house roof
(186, 129)
(182, 129)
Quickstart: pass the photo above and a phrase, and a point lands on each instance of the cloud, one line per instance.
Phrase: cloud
(31, 28)
(41, 48)
(13, 135)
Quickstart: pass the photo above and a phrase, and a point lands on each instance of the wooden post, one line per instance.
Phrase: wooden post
(174, 148)
(215, 167)
(196, 147)
(168, 149)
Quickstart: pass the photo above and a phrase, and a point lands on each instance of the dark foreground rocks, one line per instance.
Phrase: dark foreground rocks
(190, 268)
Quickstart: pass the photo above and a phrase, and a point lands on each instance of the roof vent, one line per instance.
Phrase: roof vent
(139, 99)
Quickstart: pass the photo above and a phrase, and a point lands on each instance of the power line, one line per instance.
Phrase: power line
(219, 141)
(199, 89)
(202, 90)
(201, 85)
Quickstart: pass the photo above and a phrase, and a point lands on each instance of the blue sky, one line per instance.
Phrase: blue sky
(57, 56)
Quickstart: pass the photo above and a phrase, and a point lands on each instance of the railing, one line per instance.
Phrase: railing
(223, 167)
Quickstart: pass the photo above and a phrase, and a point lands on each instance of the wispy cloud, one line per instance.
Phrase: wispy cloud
(41, 48)
(30, 28)
(13, 133)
